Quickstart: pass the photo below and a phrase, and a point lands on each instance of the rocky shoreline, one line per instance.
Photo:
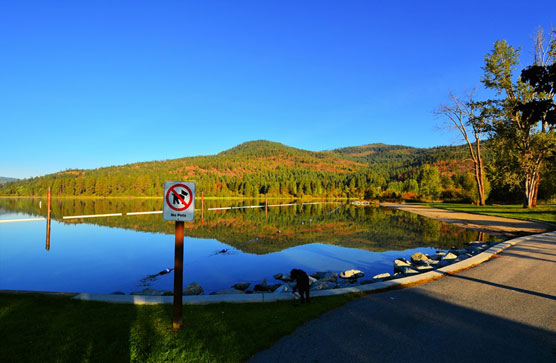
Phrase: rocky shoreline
(327, 280)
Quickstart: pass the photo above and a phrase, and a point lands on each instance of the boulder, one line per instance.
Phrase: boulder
(351, 275)
(462, 257)
(192, 289)
(437, 256)
(226, 292)
(326, 276)
(312, 280)
(241, 286)
(381, 276)
(409, 272)
(278, 276)
(418, 257)
(449, 257)
(401, 263)
(285, 278)
(322, 285)
(424, 268)
(264, 287)
(474, 250)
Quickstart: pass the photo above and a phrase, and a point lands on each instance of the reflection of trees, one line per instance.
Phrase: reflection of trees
(375, 229)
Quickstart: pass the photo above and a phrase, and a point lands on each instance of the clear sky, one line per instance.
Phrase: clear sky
(85, 84)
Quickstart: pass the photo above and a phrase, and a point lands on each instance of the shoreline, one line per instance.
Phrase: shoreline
(497, 226)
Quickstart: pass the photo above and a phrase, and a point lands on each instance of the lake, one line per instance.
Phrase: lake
(108, 254)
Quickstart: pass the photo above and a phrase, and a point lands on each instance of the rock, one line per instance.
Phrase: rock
(463, 257)
(437, 256)
(424, 268)
(149, 292)
(312, 280)
(241, 286)
(278, 276)
(408, 271)
(322, 285)
(401, 263)
(117, 293)
(285, 278)
(461, 251)
(226, 292)
(283, 289)
(380, 276)
(192, 289)
(449, 257)
(326, 276)
(264, 287)
(352, 274)
(418, 257)
(474, 250)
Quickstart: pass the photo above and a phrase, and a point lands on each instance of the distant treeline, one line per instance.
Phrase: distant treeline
(259, 168)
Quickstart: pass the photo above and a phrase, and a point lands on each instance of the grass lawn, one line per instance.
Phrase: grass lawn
(543, 213)
(49, 328)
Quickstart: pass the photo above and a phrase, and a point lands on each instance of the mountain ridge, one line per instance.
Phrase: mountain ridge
(250, 169)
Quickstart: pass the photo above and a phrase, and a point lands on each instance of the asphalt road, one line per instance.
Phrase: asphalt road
(501, 311)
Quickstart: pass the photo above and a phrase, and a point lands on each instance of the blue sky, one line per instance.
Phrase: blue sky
(85, 84)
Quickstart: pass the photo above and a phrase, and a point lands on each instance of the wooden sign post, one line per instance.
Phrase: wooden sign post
(179, 206)
(48, 206)
(178, 276)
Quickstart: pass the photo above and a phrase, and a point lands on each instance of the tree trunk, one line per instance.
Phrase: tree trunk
(479, 175)
(530, 186)
(536, 191)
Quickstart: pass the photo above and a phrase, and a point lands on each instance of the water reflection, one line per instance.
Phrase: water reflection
(249, 230)
(222, 247)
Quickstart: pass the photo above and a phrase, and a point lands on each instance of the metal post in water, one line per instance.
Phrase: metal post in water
(48, 212)
(178, 276)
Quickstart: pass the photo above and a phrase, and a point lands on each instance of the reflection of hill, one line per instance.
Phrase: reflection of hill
(249, 230)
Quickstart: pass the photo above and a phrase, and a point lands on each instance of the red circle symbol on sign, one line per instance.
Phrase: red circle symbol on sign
(179, 198)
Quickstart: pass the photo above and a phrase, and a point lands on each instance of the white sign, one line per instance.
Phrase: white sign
(179, 201)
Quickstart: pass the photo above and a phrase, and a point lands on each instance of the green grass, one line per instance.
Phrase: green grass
(543, 213)
(48, 328)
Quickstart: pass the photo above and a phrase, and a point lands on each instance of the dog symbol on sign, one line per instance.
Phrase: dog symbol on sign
(177, 200)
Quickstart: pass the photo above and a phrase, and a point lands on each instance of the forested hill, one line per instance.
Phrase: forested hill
(254, 168)
(401, 160)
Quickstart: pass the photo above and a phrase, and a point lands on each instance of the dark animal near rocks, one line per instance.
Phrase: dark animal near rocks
(302, 284)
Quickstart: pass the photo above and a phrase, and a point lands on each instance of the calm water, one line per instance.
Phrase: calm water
(108, 254)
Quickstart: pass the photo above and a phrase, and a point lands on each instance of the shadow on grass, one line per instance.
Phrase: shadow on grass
(48, 328)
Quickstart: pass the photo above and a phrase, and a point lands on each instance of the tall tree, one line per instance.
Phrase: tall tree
(470, 118)
(518, 132)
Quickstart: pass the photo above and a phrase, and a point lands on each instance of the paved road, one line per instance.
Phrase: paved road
(501, 311)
